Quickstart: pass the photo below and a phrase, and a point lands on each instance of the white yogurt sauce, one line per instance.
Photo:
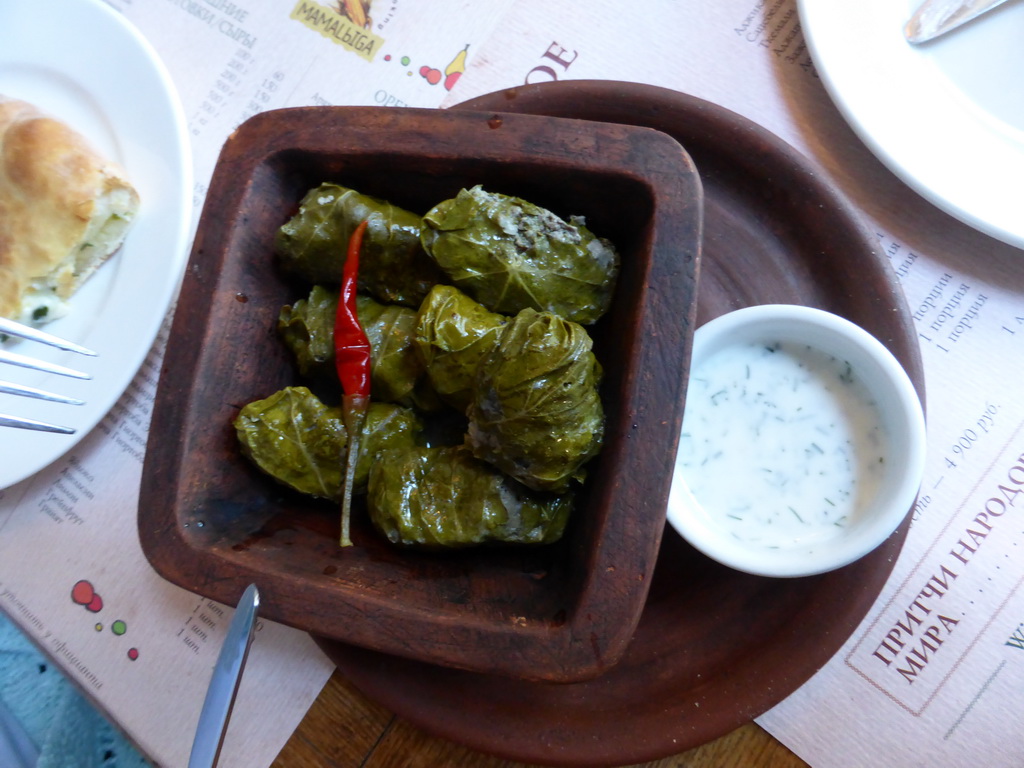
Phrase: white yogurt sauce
(781, 444)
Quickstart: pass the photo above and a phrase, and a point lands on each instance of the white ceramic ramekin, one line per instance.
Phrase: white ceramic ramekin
(899, 411)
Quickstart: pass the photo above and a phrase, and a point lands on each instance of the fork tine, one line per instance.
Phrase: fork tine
(12, 328)
(38, 426)
(30, 362)
(8, 388)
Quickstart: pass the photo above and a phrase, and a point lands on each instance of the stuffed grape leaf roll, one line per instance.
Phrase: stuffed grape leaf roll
(445, 498)
(307, 328)
(509, 254)
(397, 372)
(392, 265)
(536, 412)
(453, 333)
(296, 439)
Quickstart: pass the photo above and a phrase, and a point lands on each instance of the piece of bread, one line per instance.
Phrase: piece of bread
(64, 210)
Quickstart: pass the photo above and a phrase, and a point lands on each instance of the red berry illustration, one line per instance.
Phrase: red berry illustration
(81, 593)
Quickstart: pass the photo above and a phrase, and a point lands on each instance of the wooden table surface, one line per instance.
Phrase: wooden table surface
(344, 729)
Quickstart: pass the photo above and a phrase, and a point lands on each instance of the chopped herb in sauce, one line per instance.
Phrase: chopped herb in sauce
(770, 433)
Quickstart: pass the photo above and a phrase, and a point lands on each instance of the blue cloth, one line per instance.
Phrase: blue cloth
(65, 728)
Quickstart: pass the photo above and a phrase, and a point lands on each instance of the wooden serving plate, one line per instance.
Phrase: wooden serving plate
(714, 647)
(211, 523)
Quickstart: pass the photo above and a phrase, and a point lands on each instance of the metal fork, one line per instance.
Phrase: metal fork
(11, 328)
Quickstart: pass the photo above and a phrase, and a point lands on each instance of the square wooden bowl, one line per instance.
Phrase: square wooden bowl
(211, 523)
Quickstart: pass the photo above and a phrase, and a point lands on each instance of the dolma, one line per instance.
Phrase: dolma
(509, 254)
(536, 413)
(296, 439)
(445, 498)
(453, 333)
(393, 267)
(398, 374)
(398, 371)
(307, 328)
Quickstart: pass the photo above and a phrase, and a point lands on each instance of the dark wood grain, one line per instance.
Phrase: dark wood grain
(211, 523)
(326, 738)
(714, 648)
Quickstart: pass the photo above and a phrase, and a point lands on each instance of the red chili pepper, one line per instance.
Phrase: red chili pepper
(352, 360)
(351, 347)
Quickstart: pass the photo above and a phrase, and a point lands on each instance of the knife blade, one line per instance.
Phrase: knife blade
(227, 674)
(936, 17)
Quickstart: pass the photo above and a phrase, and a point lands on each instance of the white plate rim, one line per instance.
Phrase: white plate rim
(84, 44)
(964, 160)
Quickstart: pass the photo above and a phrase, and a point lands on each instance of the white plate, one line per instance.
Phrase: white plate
(82, 62)
(947, 117)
